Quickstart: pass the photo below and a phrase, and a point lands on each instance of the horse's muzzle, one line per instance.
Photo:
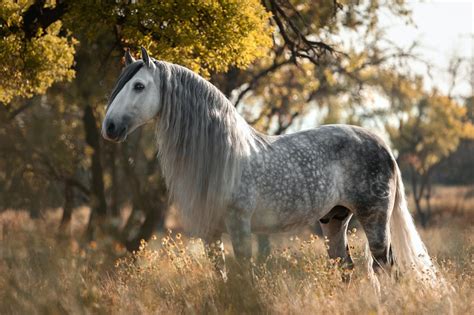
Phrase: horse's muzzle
(114, 131)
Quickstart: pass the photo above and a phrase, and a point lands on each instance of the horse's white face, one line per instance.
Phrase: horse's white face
(135, 104)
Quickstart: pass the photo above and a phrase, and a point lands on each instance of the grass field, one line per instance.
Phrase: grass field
(43, 273)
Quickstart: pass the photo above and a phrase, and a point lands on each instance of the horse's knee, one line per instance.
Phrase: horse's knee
(238, 227)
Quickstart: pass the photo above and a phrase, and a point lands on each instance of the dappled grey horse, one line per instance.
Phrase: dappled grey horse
(224, 176)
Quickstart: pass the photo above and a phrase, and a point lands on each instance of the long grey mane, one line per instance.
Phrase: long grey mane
(202, 143)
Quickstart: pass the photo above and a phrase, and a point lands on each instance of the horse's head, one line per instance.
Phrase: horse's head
(134, 100)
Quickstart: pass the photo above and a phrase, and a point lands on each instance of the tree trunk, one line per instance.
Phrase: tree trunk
(35, 211)
(133, 220)
(97, 196)
(420, 212)
(153, 208)
(65, 226)
(418, 190)
(153, 221)
(428, 199)
(114, 202)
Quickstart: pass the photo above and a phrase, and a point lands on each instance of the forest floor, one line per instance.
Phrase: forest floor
(45, 272)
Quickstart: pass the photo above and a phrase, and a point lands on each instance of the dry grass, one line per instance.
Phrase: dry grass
(43, 273)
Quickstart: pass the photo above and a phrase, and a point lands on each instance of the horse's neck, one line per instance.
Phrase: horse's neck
(204, 94)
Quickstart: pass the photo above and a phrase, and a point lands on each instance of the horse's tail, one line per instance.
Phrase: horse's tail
(409, 253)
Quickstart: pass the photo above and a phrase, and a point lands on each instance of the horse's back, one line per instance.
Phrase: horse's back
(333, 143)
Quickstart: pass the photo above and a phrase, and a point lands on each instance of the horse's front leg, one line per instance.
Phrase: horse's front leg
(238, 226)
(264, 247)
(216, 254)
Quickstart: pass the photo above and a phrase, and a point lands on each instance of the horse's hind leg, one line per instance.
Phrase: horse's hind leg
(334, 227)
(375, 222)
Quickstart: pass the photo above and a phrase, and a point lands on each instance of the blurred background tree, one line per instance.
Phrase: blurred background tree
(425, 127)
(285, 64)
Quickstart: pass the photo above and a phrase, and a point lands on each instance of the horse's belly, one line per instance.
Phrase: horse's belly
(290, 202)
(270, 220)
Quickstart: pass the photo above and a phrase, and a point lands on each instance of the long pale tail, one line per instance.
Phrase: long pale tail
(409, 252)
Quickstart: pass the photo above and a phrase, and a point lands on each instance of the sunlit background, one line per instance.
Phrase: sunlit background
(443, 29)
(87, 225)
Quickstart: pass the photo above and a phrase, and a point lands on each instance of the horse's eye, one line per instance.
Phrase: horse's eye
(138, 86)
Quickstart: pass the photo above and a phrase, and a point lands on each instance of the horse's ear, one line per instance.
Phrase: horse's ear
(128, 58)
(146, 59)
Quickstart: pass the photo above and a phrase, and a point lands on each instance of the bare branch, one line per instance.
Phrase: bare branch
(296, 40)
(37, 16)
(256, 78)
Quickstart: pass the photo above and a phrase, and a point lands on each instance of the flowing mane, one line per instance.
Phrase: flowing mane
(202, 143)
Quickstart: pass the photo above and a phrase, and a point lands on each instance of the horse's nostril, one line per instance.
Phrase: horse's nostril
(110, 128)
(115, 130)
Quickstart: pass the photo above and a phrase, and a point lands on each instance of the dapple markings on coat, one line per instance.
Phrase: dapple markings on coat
(224, 176)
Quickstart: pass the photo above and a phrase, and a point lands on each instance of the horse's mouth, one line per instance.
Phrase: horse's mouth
(119, 139)
(117, 136)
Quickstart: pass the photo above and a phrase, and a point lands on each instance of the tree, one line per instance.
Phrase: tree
(42, 152)
(81, 42)
(425, 128)
(309, 66)
(458, 168)
(34, 54)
